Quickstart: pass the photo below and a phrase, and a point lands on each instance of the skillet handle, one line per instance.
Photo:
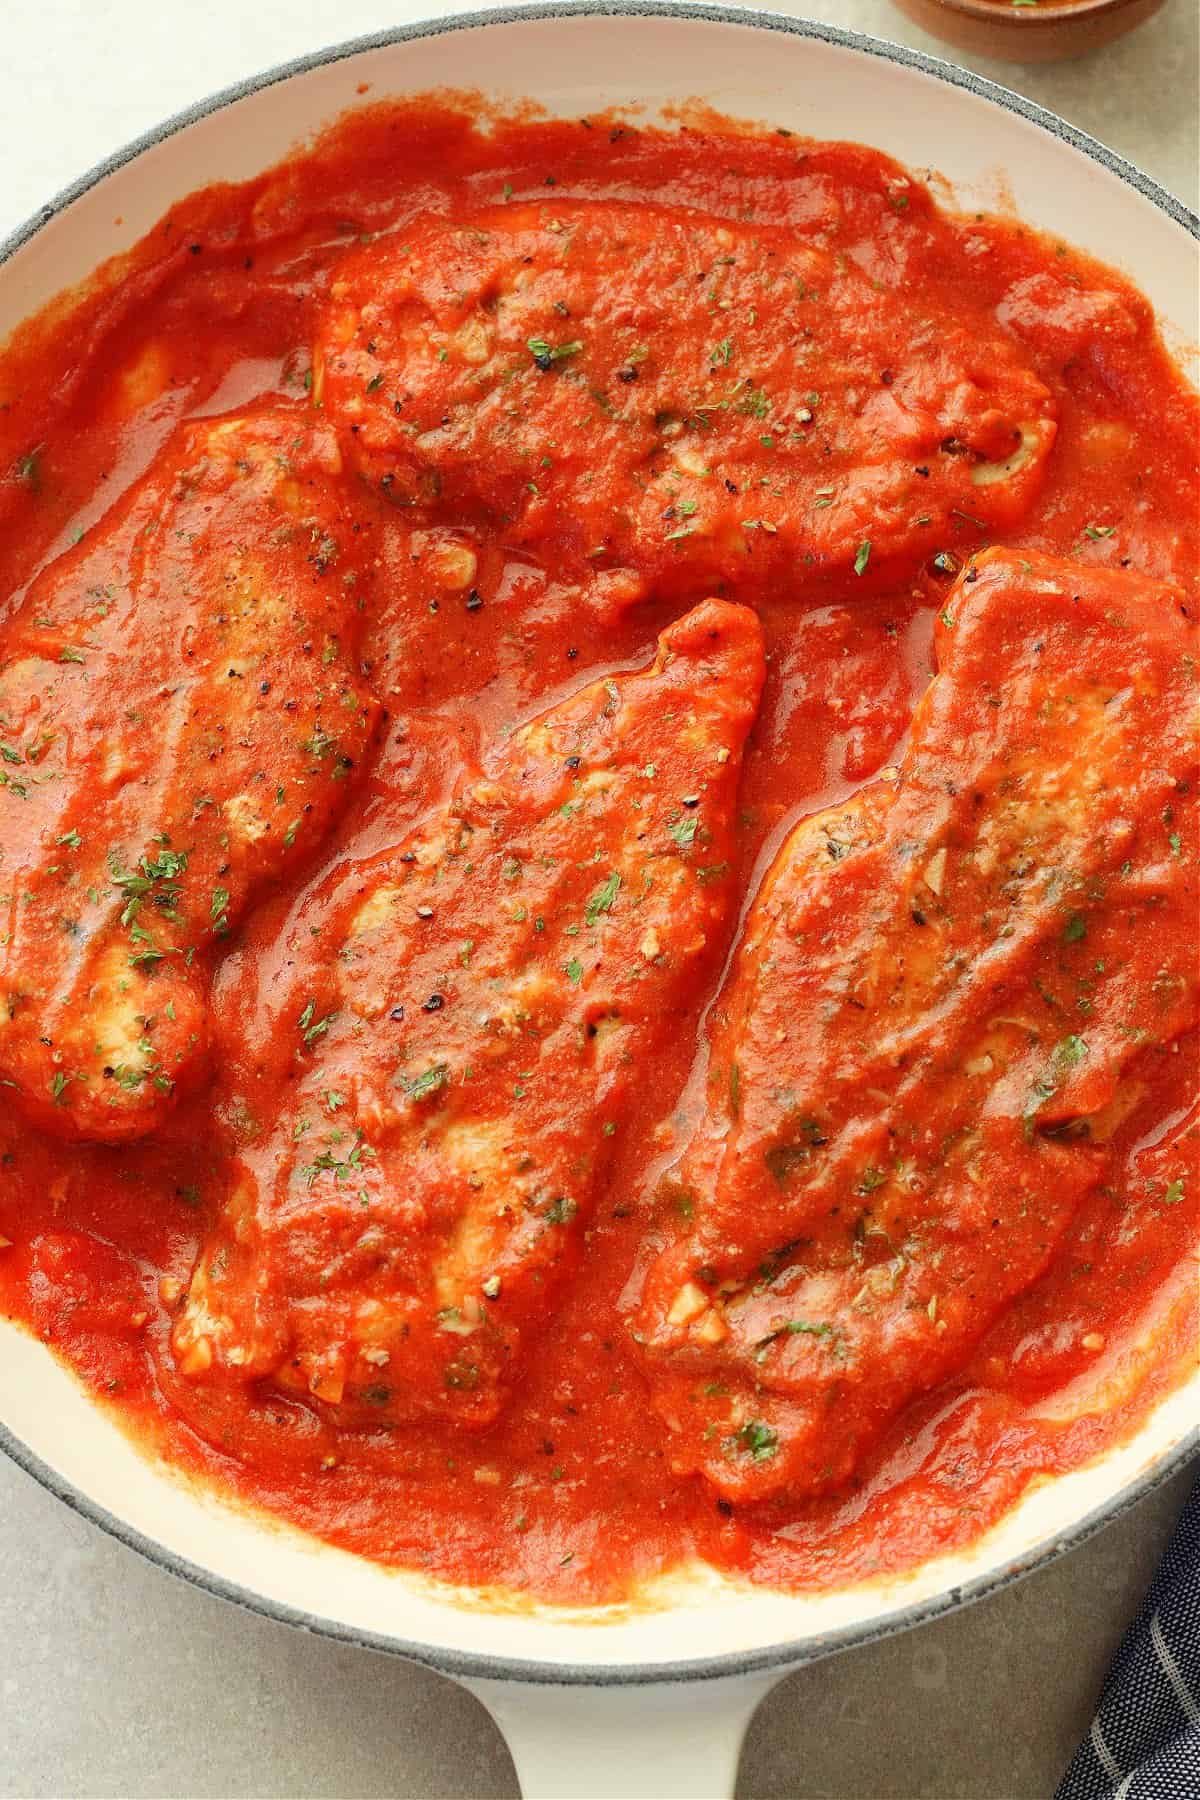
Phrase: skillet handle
(670, 1740)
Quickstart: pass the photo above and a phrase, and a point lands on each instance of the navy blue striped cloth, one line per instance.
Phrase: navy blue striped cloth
(1144, 1742)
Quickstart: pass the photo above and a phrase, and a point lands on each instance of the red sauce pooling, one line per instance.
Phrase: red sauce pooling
(570, 1494)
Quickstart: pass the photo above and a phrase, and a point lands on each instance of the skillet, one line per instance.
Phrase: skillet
(595, 1703)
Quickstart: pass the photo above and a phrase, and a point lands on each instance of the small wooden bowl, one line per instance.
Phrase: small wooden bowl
(1047, 31)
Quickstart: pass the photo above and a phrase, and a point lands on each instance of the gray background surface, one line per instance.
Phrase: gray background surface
(116, 1680)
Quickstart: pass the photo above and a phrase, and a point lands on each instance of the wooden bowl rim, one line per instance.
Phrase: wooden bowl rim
(1024, 18)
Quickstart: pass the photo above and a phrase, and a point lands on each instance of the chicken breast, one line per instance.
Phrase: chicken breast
(181, 718)
(934, 1026)
(483, 1002)
(703, 402)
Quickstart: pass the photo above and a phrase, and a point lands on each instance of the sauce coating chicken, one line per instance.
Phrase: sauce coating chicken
(704, 402)
(483, 999)
(820, 428)
(951, 992)
(180, 722)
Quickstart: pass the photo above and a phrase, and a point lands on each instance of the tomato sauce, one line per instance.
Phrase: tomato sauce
(572, 1491)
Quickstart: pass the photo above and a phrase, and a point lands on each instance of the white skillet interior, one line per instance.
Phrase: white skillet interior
(573, 65)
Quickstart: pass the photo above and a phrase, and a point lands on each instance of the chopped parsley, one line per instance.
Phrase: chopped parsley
(311, 1029)
(602, 899)
(546, 355)
(754, 404)
(320, 743)
(757, 1440)
(421, 1086)
(1069, 1053)
(340, 1167)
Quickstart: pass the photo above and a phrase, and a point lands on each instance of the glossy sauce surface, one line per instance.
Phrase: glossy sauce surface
(575, 1491)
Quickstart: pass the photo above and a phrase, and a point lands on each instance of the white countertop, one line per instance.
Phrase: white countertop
(116, 1679)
